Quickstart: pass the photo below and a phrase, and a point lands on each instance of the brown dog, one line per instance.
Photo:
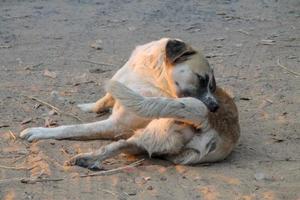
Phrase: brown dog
(165, 102)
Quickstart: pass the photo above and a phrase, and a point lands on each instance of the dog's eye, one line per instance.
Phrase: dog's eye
(212, 85)
(186, 93)
(212, 88)
(202, 81)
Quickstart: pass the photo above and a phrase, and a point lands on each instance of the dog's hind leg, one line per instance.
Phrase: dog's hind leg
(160, 137)
(204, 147)
(99, 106)
(92, 160)
(106, 129)
(187, 156)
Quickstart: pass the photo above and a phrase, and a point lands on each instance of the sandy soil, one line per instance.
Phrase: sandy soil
(45, 52)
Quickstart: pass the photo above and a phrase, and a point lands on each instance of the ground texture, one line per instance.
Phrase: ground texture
(45, 51)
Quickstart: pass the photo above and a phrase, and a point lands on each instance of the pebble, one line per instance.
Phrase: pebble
(149, 187)
(97, 45)
(131, 193)
(52, 112)
(259, 176)
(55, 96)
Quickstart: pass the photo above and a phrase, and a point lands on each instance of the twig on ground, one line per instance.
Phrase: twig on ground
(110, 192)
(5, 46)
(119, 196)
(53, 107)
(19, 158)
(269, 102)
(30, 67)
(12, 135)
(16, 17)
(65, 152)
(212, 55)
(10, 180)
(35, 180)
(97, 63)
(102, 173)
(285, 68)
(279, 160)
(30, 180)
(19, 153)
(242, 31)
(4, 125)
(14, 168)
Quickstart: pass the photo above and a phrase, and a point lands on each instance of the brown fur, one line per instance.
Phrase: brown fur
(226, 120)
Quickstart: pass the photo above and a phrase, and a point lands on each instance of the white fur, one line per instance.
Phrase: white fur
(146, 114)
(86, 107)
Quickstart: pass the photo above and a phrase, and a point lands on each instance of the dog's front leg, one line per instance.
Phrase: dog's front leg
(106, 129)
(186, 109)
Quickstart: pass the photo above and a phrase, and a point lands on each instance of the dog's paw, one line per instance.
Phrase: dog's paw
(86, 107)
(32, 134)
(85, 160)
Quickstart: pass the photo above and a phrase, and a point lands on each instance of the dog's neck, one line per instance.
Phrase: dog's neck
(149, 61)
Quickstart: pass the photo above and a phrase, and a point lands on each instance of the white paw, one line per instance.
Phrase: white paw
(32, 134)
(86, 107)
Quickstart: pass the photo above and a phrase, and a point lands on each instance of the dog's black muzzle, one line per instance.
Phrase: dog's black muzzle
(210, 102)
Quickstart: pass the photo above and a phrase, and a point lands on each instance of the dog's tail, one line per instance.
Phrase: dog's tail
(188, 109)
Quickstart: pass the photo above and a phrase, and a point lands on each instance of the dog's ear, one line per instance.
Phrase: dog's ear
(178, 51)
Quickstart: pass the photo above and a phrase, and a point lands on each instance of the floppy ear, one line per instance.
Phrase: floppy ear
(178, 51)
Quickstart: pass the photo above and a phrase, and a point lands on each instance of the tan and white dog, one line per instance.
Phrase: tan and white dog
(165, 102)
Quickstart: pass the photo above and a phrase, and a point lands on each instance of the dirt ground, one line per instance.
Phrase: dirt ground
(45, 51)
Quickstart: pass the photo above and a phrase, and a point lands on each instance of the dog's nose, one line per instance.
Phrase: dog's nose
(213, 106)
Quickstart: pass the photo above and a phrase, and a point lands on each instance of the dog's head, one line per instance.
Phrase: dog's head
(190, 74)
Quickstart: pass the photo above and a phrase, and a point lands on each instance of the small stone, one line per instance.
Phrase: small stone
(131, 28)
(292, 57)
(56, 96)
(131, 193)
(219, 39)
(97, 70)
(140, 180)
(49, 74)
(267, 42)
(221, 13)
(259, 176)
(38, 7)
(163, 178)
(149, 187)
(97, 45)
(52, 112)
